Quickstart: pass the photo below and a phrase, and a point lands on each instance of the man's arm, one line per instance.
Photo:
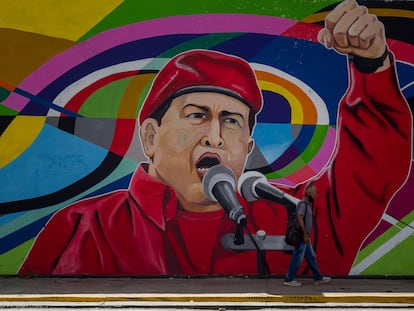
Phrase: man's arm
(351, 30)
(373, 150)
(300, 215)
(301, 222)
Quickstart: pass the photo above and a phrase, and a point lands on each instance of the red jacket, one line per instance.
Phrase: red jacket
(140, 231)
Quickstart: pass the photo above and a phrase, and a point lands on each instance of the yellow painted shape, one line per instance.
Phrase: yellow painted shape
(56, 18)
(297, 112)
(307, 113)
(19, 135)
(129, 104)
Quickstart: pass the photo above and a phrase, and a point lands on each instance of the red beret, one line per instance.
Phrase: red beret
(200, 71)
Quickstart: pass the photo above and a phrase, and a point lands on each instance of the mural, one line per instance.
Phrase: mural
(71, 126)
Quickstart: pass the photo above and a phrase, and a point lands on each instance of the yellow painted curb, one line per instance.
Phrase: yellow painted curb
(407, 298)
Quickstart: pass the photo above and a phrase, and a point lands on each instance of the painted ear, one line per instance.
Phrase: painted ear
(251, 145)
(148, 134)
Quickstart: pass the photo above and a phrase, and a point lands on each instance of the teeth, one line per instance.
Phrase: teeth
(202, 169)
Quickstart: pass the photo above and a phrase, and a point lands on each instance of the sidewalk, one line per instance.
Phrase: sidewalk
(218, 289)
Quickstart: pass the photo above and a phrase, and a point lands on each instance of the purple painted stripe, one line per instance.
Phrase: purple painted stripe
(204, 23)
(15, 101)
(380, 229)
(283, 182)
(401, 204)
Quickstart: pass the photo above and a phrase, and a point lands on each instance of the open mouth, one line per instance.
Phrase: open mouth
(205, 162)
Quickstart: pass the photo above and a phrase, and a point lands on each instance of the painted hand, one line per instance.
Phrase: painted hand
(350, 29)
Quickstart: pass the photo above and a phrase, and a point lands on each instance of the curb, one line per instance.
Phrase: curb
(400, 298)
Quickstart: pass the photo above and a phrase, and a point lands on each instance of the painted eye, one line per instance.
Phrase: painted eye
(232, 121)
(197, 115)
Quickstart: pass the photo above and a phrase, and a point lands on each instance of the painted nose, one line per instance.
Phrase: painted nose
(213, 138)
(217, 143)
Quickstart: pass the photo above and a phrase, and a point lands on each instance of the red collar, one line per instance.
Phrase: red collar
(157, 200)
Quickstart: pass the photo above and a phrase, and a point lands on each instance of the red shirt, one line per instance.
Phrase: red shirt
(140, 231)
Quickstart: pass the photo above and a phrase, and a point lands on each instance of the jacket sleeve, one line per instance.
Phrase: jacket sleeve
(73, 241)
(49, 245)
(371, 162)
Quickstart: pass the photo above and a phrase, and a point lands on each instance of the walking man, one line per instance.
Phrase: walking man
(304, 249)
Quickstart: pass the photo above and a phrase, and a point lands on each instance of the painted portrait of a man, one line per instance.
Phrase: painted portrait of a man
(201, 111)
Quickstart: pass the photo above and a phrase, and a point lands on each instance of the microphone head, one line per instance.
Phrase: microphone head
(247, 183)
(217, 174)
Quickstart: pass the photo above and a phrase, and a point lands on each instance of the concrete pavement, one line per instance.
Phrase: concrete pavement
(201, 290)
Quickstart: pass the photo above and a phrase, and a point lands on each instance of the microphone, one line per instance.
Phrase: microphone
(254, 185)
(219, 185)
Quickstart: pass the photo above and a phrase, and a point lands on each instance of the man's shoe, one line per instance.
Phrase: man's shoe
(325, 279)
(292, 283)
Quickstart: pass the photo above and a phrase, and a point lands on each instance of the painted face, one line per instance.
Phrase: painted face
(198, 130)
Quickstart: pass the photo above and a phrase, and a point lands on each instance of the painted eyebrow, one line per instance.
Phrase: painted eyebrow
(228, 113)
(224, 113)
(197, 106)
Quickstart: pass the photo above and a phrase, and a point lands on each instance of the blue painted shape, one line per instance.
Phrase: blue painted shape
(55, 160)
(272, 139)
(22, 235)
(276, 109)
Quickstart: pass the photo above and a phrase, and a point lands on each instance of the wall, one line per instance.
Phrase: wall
(74, 75)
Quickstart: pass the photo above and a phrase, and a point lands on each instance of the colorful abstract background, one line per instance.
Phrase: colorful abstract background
(74, 74)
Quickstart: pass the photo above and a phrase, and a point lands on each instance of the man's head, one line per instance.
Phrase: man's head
(199, 112)
(202, 71)
(311, 191)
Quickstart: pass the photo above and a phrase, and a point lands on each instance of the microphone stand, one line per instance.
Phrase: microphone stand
(262, 266)
(238, 239)
(239, 236)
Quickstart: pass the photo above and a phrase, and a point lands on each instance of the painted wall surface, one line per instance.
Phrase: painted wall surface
(73, 78)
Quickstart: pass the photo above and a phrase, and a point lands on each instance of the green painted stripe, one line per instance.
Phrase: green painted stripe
(4, 93)
(307, 155)
(132, 11)
(398, 261)
(6, 111)
(383, 238)
(105, 102)
(316, 143)
(11, 261)
(289, 169)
